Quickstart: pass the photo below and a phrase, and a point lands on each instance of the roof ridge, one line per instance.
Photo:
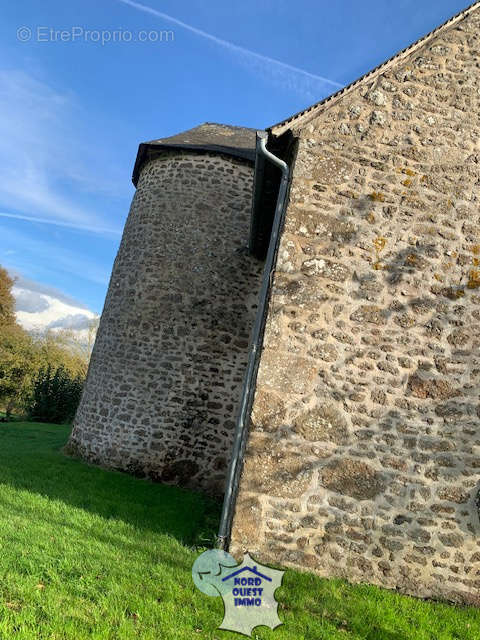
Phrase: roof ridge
(331, 99)
(229, 126)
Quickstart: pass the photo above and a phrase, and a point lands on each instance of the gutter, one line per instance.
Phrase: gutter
(249, 384)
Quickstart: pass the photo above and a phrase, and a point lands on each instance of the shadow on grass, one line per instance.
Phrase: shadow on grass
(368, 612)
(31, 459)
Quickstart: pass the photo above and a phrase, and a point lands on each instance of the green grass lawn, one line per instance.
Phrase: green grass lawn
(88, 553)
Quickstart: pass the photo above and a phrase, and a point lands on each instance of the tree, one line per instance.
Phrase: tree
(43, 372)
(17, 366)
(16, 351)
(61, 348)
(7, 301)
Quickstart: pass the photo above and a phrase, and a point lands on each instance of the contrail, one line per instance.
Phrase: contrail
(59, 223)
(230, 45)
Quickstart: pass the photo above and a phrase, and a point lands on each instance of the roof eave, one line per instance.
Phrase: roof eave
(145, 147)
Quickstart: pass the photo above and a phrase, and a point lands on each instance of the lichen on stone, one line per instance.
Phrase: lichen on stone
(323, 423)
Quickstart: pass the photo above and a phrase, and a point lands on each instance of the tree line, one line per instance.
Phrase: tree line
(42, 375)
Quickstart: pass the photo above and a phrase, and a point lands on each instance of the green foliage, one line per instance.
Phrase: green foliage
(17, 366)
(56, 394)
(7, 301)
(26, 359)
(16, 346)
(60, 349)
(90, 553)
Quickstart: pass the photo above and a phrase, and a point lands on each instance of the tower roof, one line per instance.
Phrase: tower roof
(210, 136)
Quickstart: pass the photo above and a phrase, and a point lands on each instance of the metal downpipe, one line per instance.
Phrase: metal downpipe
(248, 390)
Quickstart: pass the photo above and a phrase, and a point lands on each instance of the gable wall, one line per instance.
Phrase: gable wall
(363, 459)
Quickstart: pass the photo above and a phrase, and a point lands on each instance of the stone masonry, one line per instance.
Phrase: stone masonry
(167, 367)
(363, 459)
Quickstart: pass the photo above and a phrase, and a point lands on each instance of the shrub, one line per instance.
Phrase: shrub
(56, 394)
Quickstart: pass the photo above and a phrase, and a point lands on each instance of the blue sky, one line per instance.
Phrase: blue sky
(73, 112)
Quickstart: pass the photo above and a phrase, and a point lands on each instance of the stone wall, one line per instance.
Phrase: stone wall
(363, 458)
(166, 372)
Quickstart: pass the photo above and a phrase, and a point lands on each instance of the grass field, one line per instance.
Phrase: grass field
(88, 553)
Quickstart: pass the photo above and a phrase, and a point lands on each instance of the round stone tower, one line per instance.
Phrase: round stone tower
(166, 371)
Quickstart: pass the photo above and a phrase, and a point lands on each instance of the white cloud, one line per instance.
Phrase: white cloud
(30, 301)
(56, 316)
(38, 311)
(285, 74)
(47, 168)
(62, 223)
(72, 321)
(21, 282)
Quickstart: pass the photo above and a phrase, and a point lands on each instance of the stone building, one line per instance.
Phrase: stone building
(357, 439)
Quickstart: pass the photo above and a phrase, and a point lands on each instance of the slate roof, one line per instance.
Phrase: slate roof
(304, 116)
(210, 136)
